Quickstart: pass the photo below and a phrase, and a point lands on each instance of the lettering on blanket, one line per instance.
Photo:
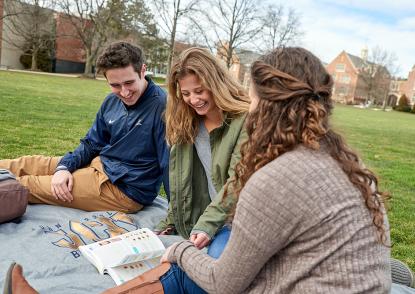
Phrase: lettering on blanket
(95, 228)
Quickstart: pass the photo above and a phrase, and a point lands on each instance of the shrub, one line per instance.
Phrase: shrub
(403, 101)
(403, 104)
(44, 62)
(44, 56)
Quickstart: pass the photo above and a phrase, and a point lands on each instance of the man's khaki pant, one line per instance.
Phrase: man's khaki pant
(91, 190)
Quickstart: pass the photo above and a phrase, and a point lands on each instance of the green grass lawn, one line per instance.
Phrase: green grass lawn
(386, 142)
(159, 80)
(48, 115)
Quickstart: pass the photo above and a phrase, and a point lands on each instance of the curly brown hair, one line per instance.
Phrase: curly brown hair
(121, 54)
(294, 105)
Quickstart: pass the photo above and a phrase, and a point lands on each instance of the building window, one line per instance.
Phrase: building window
(340, 67)
(342, 91)
(346, 79)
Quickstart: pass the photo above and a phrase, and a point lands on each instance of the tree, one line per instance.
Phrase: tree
(132, 17)
(89, 20)
(30, 27)
(136, 22)
(95, 22)
(279, 28)
(43, 58)
(376, 73)
(231, 23)
(170, 13)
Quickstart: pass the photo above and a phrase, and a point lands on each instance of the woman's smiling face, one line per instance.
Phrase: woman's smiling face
(196, 95)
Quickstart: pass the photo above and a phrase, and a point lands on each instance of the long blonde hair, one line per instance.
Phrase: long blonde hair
(228, 95)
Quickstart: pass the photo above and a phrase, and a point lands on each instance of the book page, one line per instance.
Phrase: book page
(124, 273)
(87, 252)
(107, 252)
(145, 245)
(123, 249)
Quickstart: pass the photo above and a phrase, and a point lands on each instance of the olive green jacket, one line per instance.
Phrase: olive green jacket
(190, 207)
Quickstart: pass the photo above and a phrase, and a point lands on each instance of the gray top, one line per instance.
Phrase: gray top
(202, 145)
(300, 227)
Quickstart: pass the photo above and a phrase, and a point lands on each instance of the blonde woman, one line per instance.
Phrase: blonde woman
(309, 218)
(205, 115)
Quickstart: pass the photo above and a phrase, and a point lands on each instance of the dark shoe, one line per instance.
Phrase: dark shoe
(401, 273)
(16, 283)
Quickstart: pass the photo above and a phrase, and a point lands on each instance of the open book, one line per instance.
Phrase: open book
(126, 256)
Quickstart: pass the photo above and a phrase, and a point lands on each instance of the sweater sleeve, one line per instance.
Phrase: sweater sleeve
(216, 214)
(266, 220)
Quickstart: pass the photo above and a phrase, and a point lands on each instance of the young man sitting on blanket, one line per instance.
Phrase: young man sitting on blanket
(122, 160)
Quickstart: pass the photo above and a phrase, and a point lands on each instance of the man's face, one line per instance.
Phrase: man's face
(126, 83)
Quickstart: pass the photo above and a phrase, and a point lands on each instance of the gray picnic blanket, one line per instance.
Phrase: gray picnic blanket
(45, 243)
(6, 175)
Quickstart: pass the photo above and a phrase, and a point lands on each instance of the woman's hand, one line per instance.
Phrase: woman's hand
(166, 253)
(200, 240)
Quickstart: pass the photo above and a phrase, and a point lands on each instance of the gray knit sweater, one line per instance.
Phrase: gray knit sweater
(300, 227)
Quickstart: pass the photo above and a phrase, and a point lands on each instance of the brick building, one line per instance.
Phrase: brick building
(395, 91)
(408, 87)
(351, 83)
(68, 53)
(400, 86)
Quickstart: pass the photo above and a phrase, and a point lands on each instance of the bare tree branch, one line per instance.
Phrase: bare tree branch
(171, 12)
(376, 73)
(91, 21)
(279, 28)
(228, 24)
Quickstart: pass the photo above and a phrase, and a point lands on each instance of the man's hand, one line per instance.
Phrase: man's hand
(200, 240)
(61, 185)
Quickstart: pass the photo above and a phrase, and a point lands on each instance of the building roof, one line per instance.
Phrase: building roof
(359, 63)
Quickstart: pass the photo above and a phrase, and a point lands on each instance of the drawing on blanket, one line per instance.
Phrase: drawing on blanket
(98, 227)
(52, 268)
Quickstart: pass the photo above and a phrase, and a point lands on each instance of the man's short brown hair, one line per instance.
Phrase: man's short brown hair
(119, 55)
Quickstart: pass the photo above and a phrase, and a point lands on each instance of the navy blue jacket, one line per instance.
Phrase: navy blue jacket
(131, 144)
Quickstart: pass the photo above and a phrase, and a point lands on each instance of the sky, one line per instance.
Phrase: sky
(333, 26)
